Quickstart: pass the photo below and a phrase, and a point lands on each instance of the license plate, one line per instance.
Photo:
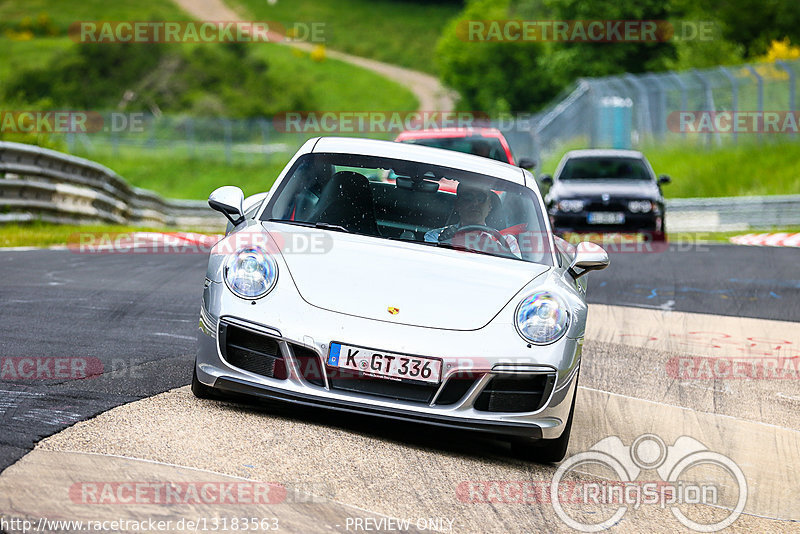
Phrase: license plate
(383, 364)
(605, 217)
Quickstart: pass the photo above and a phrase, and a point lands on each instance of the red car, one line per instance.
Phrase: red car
(487, 142)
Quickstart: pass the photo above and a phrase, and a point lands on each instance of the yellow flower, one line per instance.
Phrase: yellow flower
(318, 53)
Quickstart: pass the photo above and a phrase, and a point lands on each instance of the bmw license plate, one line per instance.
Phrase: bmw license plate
(605, 217)
(385, 364)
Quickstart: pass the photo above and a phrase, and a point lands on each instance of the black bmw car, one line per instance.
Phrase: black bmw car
(602, 190)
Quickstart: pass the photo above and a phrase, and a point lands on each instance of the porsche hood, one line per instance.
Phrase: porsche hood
(405, 283)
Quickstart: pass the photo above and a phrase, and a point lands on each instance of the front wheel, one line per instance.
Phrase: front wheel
(546, 450)
(200, 390)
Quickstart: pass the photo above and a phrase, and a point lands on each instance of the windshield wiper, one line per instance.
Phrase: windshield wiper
(445, 244)
(328, 226)
(322, 225)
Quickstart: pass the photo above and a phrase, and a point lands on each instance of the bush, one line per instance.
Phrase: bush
(495, 76)
(207, 80)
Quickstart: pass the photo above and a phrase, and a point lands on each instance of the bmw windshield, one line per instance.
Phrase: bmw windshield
(414, 202)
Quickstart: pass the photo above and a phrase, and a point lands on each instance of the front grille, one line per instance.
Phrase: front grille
(613, 205)
(251, 351)
(357, 382)
(309, 364)
(515, 393)
(456, 387)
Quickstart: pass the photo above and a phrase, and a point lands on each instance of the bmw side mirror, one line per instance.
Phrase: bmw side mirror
(664, 179)
(527, 163)
(546, 179)
(588, 257)
(228, 200)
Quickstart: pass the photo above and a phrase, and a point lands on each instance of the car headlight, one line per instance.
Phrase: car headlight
(251, 272)
(570, 205)
(542, 318)
(640, 206)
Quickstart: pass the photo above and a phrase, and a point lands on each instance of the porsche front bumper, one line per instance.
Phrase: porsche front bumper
(492, 351)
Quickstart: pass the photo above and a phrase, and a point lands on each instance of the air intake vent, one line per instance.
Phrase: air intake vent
(515, 393)
(309, 363)
(456, 387)
(251, 351)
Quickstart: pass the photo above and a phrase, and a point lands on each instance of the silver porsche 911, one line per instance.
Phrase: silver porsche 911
(399, 281)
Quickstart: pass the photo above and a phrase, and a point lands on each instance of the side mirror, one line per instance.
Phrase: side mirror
(527, 163)
(546, 179)
(228, 200)
(664, 179)
(588, 257)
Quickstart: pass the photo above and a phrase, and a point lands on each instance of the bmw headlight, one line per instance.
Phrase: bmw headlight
(251, 272)
(542, 318)
(640, 206)
(570, 205)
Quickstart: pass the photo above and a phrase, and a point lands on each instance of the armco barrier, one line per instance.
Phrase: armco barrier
(732, 214)
(42, 184)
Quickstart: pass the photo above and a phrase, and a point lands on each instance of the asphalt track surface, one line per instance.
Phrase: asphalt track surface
(137, 314)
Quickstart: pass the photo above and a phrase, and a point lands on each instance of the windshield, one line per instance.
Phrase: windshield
(415, 202)
(601, 168)
(488, 147)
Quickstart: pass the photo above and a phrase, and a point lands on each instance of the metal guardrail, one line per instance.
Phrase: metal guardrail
(42, 184)
(730, 214)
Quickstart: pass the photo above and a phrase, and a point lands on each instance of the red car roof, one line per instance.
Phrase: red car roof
(445, 133)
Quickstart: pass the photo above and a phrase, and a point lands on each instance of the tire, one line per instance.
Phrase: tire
(546, 450)
(200, 390)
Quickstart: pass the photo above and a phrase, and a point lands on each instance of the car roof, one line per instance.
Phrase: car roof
(422, 154)
(449, 133)
(603, 153)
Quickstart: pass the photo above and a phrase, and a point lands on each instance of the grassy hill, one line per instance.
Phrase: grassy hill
(33, 35)
(402, 32)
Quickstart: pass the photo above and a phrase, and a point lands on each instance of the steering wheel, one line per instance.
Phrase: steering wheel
(497, 236)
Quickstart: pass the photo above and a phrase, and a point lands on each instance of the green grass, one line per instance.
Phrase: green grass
(18, 55)
(333, 85)
(750, 168)
(64, 12)
(38, 234)
(338, 86)
(394, 31)
(180, 176)
(747, 169)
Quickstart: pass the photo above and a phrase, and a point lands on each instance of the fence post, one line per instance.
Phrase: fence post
(709, 101)
(264, 137)
(734, 95)
(190, 138)
(643, 111)
(228, 140)
(659, 115)
(684, 98)
(760, 81)
(792, 86)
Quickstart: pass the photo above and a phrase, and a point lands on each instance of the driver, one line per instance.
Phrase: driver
(472, 207)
